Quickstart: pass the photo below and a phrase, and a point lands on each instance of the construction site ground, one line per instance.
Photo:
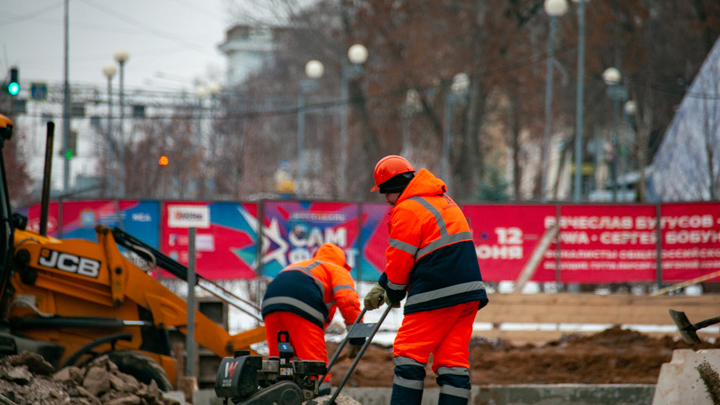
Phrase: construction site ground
(613, 356)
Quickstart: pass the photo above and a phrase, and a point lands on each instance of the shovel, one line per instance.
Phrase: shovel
(688, 330)
(359, 329)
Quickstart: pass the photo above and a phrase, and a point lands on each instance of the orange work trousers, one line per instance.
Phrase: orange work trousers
(444, 332)
(306, 338)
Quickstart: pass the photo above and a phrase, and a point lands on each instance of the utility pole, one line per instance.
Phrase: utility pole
(66, 105)
(579, 101)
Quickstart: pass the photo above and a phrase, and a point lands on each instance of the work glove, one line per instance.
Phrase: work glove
(392, 304)
(374, 299)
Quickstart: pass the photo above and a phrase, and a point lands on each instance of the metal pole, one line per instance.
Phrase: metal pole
(446, 137)
(66, 103)
(613, 165)
(548, 111)
(579, 101)
(110, 137)
(623, 162)
(45, 198)
(406, 128)
(300, 136)
(121, 134)
(200, 114)
(658, 246)
(343, 130)
(190, 335)
(558, 241)
(109, 119)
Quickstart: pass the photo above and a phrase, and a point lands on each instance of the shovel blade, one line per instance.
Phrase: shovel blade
(686, 329)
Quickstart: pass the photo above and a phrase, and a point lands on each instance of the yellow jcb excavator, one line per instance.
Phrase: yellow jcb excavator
(72, 300)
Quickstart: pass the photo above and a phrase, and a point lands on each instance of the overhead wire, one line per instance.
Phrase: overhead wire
(386, 94)
(9, 20)
(274, 112)
(142, 26)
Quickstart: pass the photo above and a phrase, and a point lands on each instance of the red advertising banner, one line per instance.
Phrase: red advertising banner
(505, 237)
(690, 240)
(294, 230)
(602, 244)
(374, 239)
(597, 243)
(225, 250)
(33, 215)
(139, 218)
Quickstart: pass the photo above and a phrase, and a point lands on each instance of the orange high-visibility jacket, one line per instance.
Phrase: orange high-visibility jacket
(431, 254)
(315, 288)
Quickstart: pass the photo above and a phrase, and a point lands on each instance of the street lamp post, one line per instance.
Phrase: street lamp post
(455, 94)
(66, 102)
(629, 110)
(201, 92)
(579, 101)
(314, 70)
(121, 57)
(357, 55)
(109, 71)
(553, 8)
(617, 93)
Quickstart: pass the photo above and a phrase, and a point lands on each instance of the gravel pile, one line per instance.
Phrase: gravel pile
(27, 379)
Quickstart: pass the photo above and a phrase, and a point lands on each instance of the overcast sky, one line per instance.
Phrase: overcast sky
(174, 38)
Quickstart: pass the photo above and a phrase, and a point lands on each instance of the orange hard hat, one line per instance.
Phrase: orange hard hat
(389, 167)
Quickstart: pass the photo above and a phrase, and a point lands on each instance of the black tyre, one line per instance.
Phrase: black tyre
(140, 366)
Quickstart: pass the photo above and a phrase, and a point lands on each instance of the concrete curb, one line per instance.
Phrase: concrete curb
(560, 394)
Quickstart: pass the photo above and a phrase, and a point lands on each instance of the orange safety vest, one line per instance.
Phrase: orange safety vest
(431, 256)
(315, 288)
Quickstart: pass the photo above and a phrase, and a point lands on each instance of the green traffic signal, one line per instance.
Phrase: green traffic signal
(13, 89)
(13, 86)
(68, 154)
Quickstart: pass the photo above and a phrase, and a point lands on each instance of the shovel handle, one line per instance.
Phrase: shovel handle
(342, 345)
(706, 323)
(360, 354)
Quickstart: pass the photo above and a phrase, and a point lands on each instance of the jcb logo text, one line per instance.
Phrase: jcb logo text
(69, 262)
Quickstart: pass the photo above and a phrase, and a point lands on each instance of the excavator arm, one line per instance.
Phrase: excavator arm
(76, 279)
(168, 310)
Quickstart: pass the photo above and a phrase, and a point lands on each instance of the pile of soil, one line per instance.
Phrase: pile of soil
(28, 379)
(613, 356)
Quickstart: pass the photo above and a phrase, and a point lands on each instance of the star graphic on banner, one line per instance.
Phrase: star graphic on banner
(270, 235)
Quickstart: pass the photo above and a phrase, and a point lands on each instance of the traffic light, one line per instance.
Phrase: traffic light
(72, 145)
(163, 161)
(13, 86)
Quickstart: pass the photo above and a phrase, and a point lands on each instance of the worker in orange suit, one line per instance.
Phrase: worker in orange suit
(432, 260)
(302, 300)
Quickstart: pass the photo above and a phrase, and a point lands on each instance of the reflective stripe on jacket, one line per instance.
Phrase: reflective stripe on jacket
(314, 289)
(431, 254)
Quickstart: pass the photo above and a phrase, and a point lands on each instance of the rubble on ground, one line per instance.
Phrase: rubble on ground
(28, 379)
(612, 356)
(340, 400)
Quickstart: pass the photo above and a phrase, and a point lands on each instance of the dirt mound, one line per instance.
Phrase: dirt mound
(28, 378)
(612, 356)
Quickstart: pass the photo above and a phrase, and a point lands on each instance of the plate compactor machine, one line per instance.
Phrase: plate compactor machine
(284, 380)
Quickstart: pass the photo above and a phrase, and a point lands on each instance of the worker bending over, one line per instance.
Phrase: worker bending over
(432, 259)
(302, 300)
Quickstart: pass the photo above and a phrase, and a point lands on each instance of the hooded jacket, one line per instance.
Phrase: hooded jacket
(315, 288)
(431, 256)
